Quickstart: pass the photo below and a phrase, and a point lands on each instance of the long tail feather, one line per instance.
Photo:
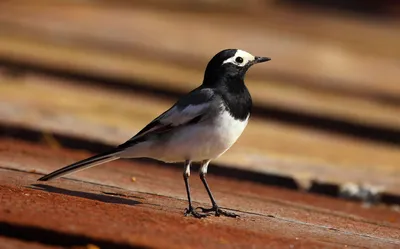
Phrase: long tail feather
(81, 165)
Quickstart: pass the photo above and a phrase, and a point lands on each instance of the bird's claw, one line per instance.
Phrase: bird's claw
(191, 211)
(218, 212)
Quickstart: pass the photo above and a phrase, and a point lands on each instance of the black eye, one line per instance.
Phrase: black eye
(239, 59)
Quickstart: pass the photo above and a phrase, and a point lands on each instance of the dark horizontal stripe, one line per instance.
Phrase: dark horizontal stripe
(55, 238)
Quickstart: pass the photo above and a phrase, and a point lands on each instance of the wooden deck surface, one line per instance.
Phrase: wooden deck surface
(103, 208)
(323, 65)
(80, 76)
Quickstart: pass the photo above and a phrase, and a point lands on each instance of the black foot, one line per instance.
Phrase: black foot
(218, 211)
(191, 211)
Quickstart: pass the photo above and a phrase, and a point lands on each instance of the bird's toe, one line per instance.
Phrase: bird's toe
(217, 211)
(226, 213)
(194, 213)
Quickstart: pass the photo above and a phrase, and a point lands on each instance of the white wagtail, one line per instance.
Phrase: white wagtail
(200, 127)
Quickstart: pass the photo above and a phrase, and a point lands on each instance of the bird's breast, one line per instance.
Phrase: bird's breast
(229, 129)
(217, 137)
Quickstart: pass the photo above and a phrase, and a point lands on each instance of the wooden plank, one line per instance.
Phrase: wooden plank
(112, 117)
(320, 58)
(172, 76)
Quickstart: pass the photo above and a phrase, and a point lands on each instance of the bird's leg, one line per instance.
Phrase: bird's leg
(190, 210)
(218, 211)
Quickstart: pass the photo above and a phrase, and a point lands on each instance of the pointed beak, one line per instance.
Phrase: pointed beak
(259, 59)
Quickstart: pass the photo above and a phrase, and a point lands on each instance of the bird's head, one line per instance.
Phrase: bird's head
(231, 63)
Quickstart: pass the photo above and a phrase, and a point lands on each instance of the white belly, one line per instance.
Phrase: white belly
(194, 142)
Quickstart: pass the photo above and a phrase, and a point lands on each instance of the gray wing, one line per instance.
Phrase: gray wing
(191, 108)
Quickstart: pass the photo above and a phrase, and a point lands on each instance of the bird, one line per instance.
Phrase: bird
(199, 127)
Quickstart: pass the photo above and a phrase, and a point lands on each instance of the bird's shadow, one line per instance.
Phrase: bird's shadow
(86, 195)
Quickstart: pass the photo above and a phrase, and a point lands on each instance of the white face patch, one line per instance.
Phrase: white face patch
(241, 58)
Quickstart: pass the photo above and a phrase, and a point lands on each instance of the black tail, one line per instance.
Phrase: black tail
(81, 165)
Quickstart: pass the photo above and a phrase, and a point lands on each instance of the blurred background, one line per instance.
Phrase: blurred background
(327, 107)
